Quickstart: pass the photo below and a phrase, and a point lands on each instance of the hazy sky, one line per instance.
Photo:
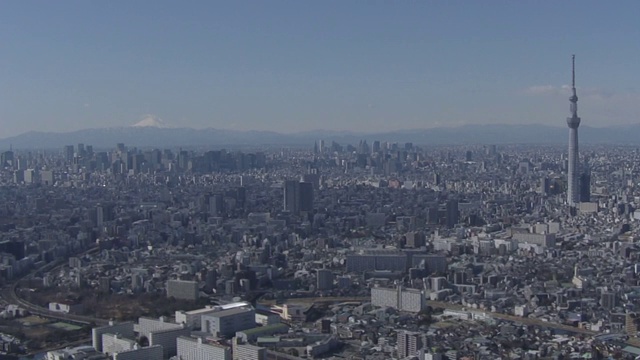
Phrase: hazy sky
(301, 65)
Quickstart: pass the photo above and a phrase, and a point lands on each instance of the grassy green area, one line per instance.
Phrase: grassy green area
(65, 326)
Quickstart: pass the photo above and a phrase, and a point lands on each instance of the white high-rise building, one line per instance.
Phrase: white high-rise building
(140, 353)
(400, 298)
(195, 349)
(113, 343)
(409, 343)
(124, 330)
(249, 352)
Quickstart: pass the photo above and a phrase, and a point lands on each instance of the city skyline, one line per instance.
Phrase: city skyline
(288, 67)
(290, 180)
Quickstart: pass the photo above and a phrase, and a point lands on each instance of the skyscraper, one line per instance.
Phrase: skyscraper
(452, 213)
(585, 183)
(573, 190)
(104, 213)
(7, 159)
(216, 204)
(324, 280)
(69, 153)
(305, 203)
(298, 196)
(291, 196)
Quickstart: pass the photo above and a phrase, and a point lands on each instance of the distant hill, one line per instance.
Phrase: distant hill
(151, 136)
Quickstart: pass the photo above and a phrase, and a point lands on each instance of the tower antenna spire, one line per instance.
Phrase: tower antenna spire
(573, 71)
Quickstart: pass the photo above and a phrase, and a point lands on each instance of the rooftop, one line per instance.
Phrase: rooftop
(260, 329)
(230, 312)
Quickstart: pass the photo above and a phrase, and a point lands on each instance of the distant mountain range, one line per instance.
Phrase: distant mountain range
(152, 136)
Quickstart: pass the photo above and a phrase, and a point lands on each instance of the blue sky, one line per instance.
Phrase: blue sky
(300, 65)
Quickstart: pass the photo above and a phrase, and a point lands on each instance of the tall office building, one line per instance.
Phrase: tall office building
(7, 159)
(573, 121)
(306, 196)
(291, 195)
(216, 204)
(298, 196)
(69, 153)
(81, 150)
(324, 279)
(452, 213)
(104, 213)
(585, 183)
(241, 197)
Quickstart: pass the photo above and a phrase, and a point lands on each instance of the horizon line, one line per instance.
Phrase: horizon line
(354, 132)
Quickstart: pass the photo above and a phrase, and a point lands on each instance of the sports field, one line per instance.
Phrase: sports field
(65, 326)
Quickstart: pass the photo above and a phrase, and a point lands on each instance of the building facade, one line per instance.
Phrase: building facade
(324, 279)
(227, 322)
(142, 353)
(409, 343)
(124, 330)
(195, 349)
(410, 300)
(185, 290)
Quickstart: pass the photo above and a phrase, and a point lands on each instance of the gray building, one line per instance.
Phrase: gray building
(298, 196)
(140, 353)
(324, 279)
(227, 322)
(167, 339)
(180, 289)
(377, 261)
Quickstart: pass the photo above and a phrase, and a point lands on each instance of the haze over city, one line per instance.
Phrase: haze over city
(337, 180)
(292, 66)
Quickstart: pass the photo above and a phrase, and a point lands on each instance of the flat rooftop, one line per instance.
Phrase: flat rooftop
(261, 329)
(230, 312)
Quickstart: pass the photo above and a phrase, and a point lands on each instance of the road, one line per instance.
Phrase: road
(315, 300)
(10, 294)
(447, 306)
(512, 318)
